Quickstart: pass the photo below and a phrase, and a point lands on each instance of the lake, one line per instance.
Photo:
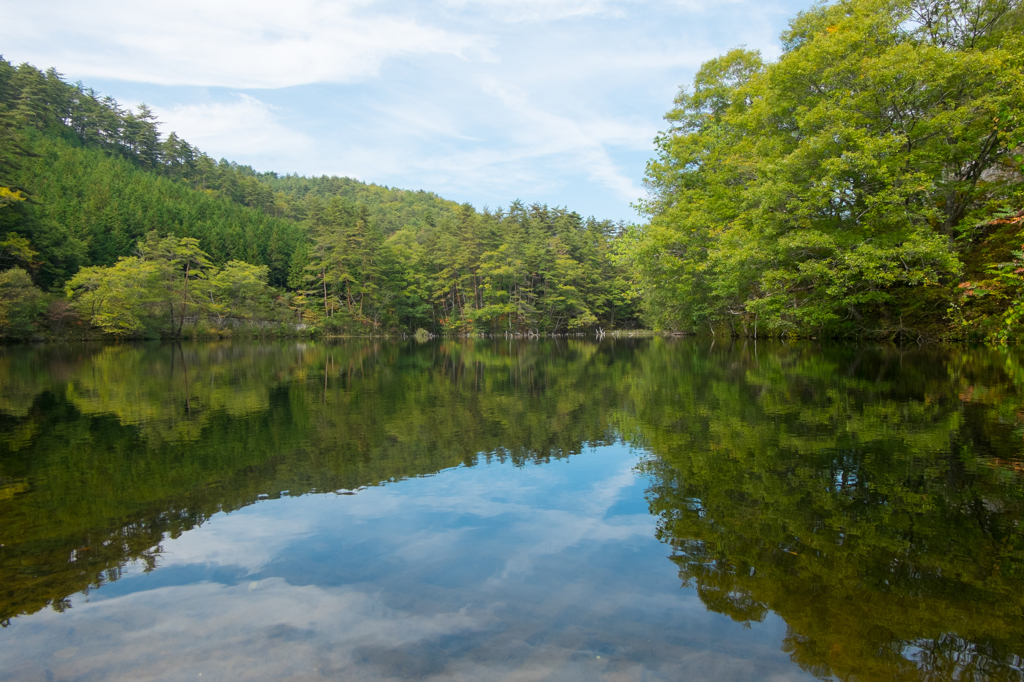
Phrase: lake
(653, 509)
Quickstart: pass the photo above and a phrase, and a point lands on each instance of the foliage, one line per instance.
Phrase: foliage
(21, 302)
(170, 283)
(8, 196)
(806, 195)
(357, 258)
(15, 249)
(992, 307)
(238, 291)
(116, 299)
(90, 209)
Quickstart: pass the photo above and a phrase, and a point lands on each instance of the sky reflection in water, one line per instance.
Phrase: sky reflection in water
(485, 572)
(528, 511)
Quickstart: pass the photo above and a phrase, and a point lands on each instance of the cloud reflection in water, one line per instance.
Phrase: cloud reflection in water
(488, 572)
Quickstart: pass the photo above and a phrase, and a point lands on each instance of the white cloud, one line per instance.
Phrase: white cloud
(274, 631)
(702, 6)
(239, 43)
(478, 100)
(484, 147)
(581, 145)
(239, 128)
(515, 11)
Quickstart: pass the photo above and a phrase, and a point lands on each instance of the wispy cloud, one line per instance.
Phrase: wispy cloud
(579, 144)
(233, 43)
(479, 100)
(514, 11)
(243, 123)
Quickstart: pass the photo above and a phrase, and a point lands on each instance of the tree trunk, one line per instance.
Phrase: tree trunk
(323, 278)
(184, 298)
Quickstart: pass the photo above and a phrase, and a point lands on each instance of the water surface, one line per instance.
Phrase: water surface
(649, 510)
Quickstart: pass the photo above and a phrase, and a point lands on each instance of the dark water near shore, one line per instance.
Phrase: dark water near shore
(548, 510)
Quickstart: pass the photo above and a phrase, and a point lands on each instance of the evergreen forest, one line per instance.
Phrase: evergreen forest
(109, 227)
(869, 182)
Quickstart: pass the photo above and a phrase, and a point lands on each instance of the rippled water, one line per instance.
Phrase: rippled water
(650, 510)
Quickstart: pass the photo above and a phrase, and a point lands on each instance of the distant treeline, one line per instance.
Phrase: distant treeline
(85, 183)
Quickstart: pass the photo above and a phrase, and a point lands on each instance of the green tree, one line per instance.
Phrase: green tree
(374, 259)
(814, 193)
(21, 303)
(119, 299)
(238, 291)
(180, 264)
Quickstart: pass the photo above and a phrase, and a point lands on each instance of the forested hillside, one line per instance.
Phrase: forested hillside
(110, 226)
(870, 182)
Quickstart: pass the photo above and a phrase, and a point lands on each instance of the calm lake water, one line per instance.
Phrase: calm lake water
(649, 510)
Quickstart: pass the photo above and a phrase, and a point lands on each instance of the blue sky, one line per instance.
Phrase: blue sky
(485, 101)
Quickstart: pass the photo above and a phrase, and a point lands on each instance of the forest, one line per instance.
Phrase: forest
(110, 228)
(868, 183)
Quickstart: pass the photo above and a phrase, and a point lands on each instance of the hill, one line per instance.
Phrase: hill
(88, 190)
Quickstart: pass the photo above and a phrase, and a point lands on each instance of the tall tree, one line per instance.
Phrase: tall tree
(814, 193)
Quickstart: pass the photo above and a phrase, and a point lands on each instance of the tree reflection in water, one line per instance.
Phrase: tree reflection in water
(870, 497)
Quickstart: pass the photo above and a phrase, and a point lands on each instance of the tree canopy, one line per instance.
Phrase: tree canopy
(868, 182)
(84, 181)
(837, 189)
